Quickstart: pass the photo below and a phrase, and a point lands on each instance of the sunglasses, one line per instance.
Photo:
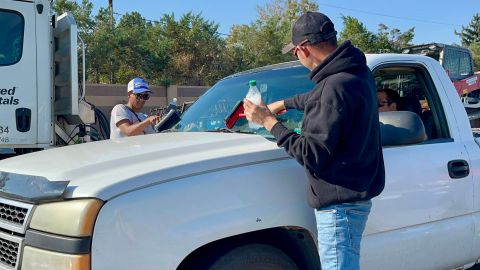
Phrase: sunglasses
(385, 103)
(142, 96)
(296, 48)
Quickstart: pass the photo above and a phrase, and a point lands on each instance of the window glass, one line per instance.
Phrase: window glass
(11, 37)
(404, 81)
(415, 94)
(457, 63)
(208, 113)
(465, 64)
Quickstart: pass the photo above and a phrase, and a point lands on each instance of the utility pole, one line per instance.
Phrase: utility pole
(112, 72)
(110, 8)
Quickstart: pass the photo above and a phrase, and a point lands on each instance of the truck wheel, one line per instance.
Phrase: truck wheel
(254, 257)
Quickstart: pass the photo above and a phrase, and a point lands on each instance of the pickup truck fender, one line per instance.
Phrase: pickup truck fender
(157, 227)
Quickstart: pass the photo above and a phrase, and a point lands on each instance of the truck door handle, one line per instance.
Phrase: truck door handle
(458, 168)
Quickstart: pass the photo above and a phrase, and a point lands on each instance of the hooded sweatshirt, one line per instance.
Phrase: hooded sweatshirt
(339, 145)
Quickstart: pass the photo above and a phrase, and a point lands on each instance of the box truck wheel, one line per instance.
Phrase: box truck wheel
(254, 257)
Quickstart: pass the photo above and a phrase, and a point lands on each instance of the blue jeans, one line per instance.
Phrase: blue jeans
(340, 229)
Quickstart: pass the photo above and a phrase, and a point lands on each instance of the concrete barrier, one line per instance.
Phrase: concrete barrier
(105, 96)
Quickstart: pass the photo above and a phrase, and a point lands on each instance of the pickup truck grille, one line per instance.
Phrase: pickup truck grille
(9, 251)
(14, 219)
(13, 214)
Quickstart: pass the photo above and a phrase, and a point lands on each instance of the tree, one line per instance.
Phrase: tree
(82, 14)
(197, 49)
(133, 46)
(471, 33)
(391, 40)
(385, 41)
(357, 32)
(475, 49)
(258, 44)
(100, 58)
(139, 53)
(261, 42)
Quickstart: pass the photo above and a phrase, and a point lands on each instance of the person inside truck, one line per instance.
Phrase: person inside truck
(127, 119)
(387, 100)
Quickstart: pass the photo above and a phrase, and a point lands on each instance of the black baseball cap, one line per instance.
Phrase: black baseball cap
(315, 27)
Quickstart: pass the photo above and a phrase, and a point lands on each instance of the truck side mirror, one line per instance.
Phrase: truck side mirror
(168, 121)
(185, 106)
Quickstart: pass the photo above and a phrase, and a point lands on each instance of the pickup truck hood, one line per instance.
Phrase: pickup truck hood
(107, 168)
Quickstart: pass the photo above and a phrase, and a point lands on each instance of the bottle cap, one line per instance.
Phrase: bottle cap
(252, 83)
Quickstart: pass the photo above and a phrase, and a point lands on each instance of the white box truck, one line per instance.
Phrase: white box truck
(41, 102)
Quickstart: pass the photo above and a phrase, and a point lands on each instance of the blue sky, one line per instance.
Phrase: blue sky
(434, 21)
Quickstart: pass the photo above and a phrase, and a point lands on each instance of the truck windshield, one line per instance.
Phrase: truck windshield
(11, 37)
(209, 112)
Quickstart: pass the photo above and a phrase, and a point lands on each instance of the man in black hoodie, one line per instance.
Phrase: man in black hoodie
(339, 145)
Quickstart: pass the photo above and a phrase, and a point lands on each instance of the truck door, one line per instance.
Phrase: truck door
(18, 80)
(422, 220)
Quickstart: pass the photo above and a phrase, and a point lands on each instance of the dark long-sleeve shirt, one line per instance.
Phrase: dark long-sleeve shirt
(339, 145)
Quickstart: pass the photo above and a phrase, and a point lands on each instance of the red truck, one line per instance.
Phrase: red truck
(458, 63)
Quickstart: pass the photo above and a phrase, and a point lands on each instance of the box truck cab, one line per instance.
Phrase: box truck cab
(40, 99)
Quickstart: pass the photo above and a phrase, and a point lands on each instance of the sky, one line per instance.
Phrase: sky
(434, 20)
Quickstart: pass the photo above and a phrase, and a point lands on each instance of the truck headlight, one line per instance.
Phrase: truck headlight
(39, 259)
(70, 218)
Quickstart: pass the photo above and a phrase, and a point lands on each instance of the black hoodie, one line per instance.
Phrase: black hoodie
(339, 146)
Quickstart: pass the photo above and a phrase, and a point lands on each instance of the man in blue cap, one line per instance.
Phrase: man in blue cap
(127, 119)
(339, 145)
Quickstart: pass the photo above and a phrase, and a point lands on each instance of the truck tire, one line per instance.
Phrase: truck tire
(254, 257)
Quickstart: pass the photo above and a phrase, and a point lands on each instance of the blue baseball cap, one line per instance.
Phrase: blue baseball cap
(138, 85)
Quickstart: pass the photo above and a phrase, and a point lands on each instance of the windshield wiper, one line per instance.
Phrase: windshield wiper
(168, 130)
(227, 130)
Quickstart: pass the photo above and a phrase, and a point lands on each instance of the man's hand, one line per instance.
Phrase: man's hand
(259, 114)
(153, 119)
(276, 106)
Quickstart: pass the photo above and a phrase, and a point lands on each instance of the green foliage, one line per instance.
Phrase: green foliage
(475, 48)
(138, 53)
(196, 49)
(392, 40)
(189, 50)
(470, 36)
(357, 32)
(261, 42)
(471, 33)
(100, 49)
(82, 13)
(385, 41)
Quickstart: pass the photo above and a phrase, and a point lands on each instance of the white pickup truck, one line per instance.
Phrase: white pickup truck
(200, 196)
